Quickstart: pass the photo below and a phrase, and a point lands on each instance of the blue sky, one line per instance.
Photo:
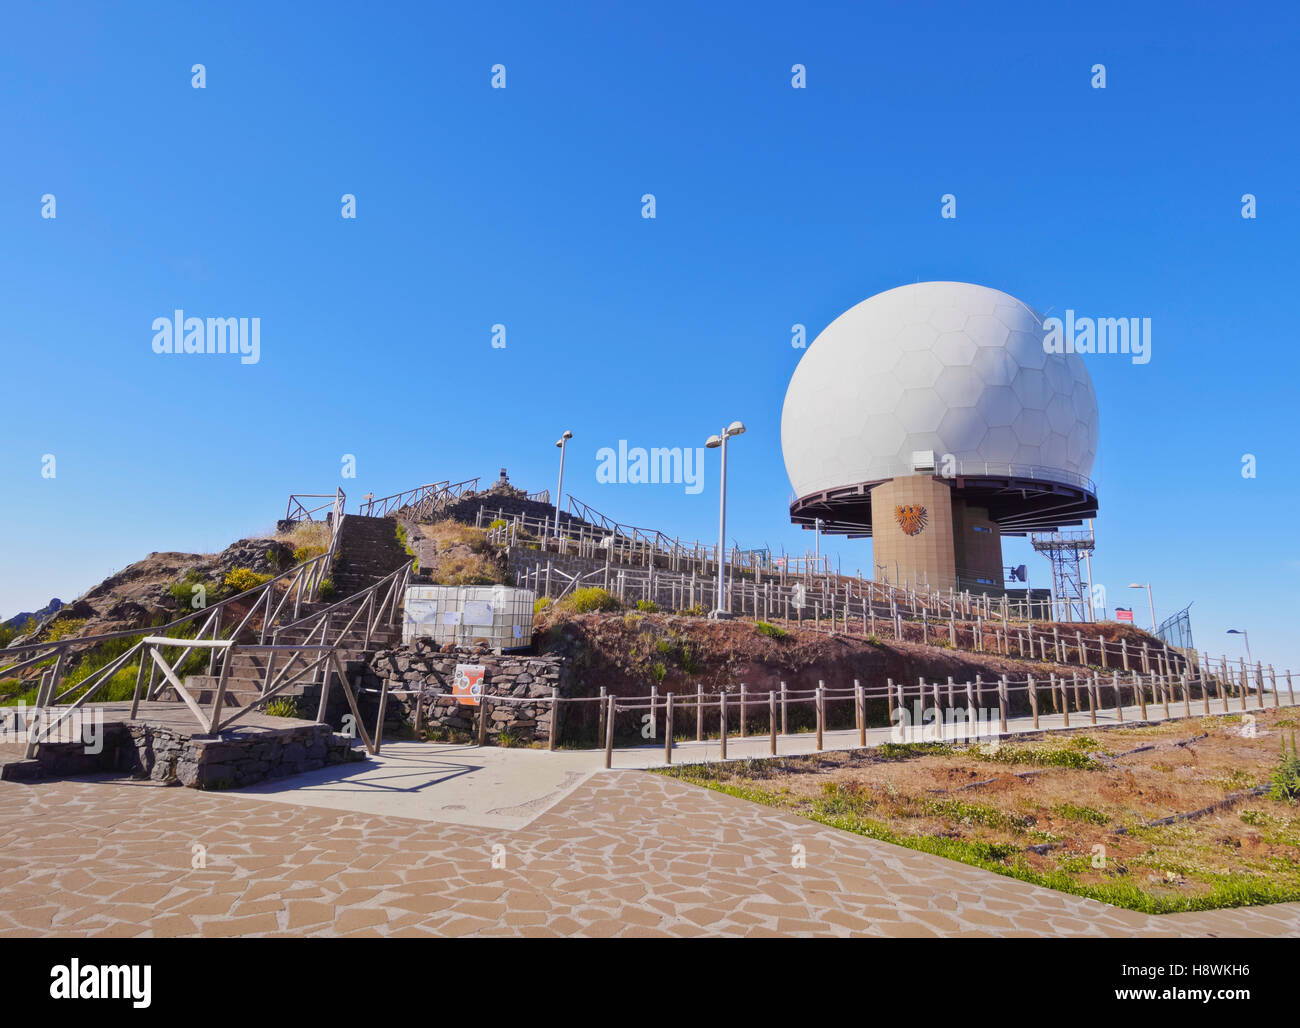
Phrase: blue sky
(522, 207)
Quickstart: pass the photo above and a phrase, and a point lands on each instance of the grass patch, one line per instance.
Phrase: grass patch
(589, 600)
(770, 630)
(1067, 758)
(850, 812)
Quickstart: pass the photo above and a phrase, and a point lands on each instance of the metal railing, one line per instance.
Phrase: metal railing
(296, 510)
(273, 609)
(421, 502)
(967, 468)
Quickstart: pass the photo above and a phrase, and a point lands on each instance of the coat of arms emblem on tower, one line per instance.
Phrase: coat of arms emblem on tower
(911, 517)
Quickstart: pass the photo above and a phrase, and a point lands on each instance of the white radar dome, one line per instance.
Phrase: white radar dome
(948, 367)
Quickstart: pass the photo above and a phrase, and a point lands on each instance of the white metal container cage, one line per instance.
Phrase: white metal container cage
(466, 615)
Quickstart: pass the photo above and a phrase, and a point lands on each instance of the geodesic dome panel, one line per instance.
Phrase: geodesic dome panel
(945, 366)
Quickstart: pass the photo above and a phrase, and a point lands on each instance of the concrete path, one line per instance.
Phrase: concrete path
(847, 739)
(463, 785)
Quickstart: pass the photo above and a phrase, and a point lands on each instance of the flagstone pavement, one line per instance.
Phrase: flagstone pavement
(626, 853)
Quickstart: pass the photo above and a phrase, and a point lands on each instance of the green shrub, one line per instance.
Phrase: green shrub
(647, 606)
(497, 523)
(301, 554)
(8, 633)
(690, 660)
(242, 579)
(61, 628)
(507, 739)
(541, 603)
(771, 630)
(696, 610)
(326, 589)
(658, 672)
(1286, 776)
(589, 600)
(283, 706)
(182, 591)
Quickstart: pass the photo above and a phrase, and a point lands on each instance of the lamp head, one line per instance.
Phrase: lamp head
(736, 428)
(713, 442)
(1136, 585)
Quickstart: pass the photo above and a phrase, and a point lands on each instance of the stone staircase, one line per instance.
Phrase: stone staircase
(248, 670)
(367, 551)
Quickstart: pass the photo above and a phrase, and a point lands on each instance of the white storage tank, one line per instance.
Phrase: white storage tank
(498, 615)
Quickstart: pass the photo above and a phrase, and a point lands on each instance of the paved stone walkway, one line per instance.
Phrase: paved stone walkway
(625, 853)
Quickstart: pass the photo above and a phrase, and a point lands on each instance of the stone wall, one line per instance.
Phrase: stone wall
(162, 755)
(427, 672)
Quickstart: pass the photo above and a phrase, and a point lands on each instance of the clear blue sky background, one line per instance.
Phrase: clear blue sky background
(522, 206)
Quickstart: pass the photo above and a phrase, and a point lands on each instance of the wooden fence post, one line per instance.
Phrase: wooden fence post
(482, 718)
(744, 709)
(1065, 701)
(1002, 704)
(699, 712)
(1119, 699)
(668, 729)
(722, 721)
(821, 716)
(555, 717)
(771, 719)
(1033, 699)
(1141, 694)
(1091, 686)
(609, 708)
(859, 706)
(785, 712)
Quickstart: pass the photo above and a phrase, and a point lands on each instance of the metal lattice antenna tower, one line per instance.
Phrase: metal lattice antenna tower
(1070, 592)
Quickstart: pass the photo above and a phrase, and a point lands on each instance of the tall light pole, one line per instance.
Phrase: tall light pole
(1242, 632)
(713, 443)
(559, 487)
(1150, 602)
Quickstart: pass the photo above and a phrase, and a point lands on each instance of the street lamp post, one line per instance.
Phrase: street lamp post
(1246, 637)
(559, 487)
(715, 442)
(1150, 602)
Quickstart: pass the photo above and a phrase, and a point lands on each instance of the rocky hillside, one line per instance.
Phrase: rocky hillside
(629, 652)
(158, 588)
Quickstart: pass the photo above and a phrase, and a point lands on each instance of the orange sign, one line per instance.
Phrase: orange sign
(467, 685)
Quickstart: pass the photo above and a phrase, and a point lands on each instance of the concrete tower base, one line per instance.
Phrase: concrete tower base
(923, 536)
